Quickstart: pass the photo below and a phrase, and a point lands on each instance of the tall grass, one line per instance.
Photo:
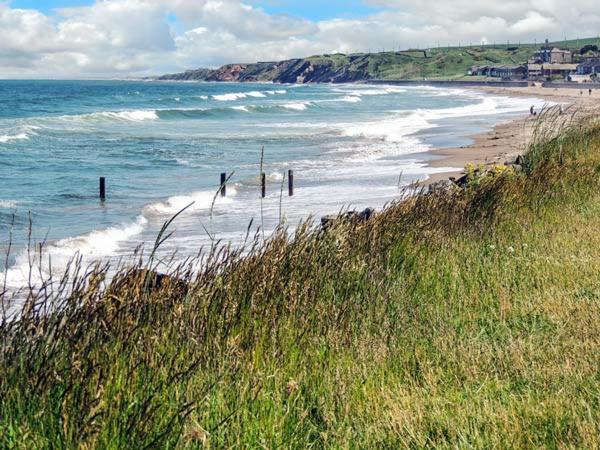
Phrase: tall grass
(468, 318)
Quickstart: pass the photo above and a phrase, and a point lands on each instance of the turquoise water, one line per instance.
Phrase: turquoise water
(162, 146)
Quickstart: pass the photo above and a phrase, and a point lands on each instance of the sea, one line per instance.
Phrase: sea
(162, 147)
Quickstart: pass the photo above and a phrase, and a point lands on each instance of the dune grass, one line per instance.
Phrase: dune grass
(465, 319)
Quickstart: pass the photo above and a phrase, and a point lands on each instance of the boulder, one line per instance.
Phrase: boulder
(441, 186)
(150, 280)
(520, 161)
(517, 167)
(352, 217)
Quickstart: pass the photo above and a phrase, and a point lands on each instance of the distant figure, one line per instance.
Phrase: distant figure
(560, 110)
(590, 91)
(580, 92)
(531, 111)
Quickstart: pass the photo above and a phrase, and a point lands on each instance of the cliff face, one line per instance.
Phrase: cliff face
(311, 70)
(432, 64)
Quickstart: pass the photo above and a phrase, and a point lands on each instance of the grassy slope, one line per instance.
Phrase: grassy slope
(447, 321)
(444, 63)
(453, 62)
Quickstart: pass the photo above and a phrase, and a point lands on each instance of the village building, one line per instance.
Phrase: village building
(555, 55)
(589, 67)
(505, 72)
(536, 71)
(558, 56)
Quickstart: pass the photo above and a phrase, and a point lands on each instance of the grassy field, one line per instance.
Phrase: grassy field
(447, 63)
(465, 319)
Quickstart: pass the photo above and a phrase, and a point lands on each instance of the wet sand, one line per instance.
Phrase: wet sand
(508, 140)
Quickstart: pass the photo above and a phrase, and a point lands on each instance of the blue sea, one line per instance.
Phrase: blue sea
(162, 146)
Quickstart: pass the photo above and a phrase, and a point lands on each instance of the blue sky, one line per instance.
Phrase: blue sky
(46, 6)
(308, 9)
(317, 9)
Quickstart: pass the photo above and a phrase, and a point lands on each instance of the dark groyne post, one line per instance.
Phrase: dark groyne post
(263, 184)
(223, 185)
(291, 182)
(102, 188)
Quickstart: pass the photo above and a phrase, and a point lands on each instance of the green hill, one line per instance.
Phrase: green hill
(445, 63)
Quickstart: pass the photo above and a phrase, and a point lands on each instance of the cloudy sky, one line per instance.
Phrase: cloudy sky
(97, 38)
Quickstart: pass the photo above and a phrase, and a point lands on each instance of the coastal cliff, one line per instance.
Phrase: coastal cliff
(325, 69)
(441, 63)
(431, 64)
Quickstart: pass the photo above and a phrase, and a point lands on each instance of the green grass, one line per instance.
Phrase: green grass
(455, 320)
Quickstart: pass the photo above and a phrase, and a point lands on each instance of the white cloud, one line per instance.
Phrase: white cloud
(132, 37)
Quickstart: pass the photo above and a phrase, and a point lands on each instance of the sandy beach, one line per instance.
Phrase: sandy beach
(507, 140)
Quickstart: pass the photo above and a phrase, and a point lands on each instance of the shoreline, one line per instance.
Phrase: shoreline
(509, 139)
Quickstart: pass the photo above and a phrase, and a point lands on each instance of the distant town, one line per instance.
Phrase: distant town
(549, 63)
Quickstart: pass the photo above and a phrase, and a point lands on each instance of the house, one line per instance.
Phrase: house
(504, 72)
(558, 56)
(550, 70)
(589, 67)
(508, 72)
(480, 71)
(534, 71)
(552, 56)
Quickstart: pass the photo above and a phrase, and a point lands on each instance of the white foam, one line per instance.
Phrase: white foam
(299, 106)
(391, 130)
(134, 116)
(233, 96)
(240, 108)
(6, 138)
(278, 91)
(358, 91)
(201, 200)
(139, 115)
(255, 94)
(229, 97)
(351, 99)
(91, 247)
(8, 204)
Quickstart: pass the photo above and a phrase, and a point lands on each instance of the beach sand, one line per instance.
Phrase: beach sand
(508, 140)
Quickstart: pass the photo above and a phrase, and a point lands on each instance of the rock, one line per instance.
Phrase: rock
(517, 167)
(520, 161)
(366, 214)
(441, 186)
(351, 217)
(150, 280)
(462, 181)
(327, 221)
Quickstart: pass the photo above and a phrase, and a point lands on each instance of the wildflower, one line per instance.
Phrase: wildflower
(292, 387)
(492, 247)
(511, 249)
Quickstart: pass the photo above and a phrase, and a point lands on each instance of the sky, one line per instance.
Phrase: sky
(108, 38)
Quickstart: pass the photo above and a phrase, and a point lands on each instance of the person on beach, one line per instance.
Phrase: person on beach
(531, 110)
(590, 92)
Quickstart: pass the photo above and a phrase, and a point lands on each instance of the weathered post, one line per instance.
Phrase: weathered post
(102, 188)
(291, 183)
(263, 184)
(223, 184)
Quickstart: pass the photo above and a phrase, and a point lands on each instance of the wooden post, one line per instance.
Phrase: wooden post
(291, 183)
(263, 184)
(223, 185)
(102, 188)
